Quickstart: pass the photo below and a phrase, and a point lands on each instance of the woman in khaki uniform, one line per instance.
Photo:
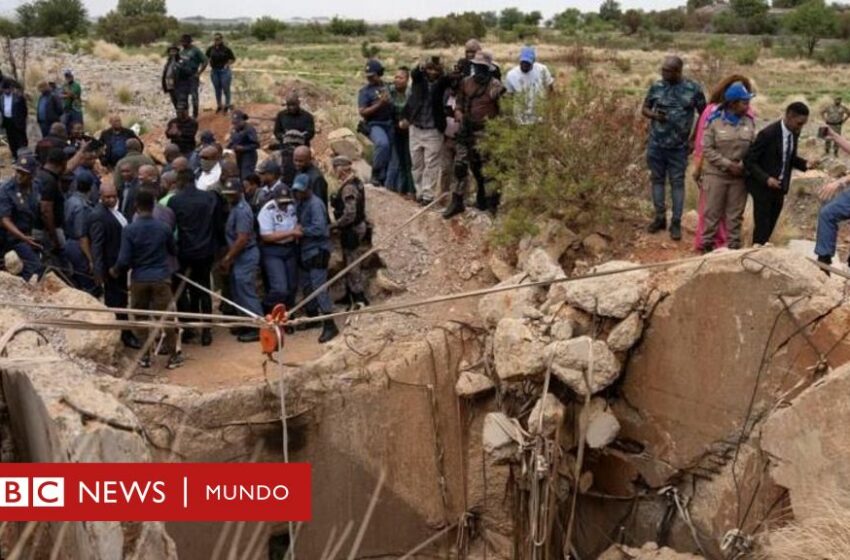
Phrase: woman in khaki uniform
(728, 137)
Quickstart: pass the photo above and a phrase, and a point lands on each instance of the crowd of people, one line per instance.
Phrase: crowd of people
(732, 160)
(129, 229)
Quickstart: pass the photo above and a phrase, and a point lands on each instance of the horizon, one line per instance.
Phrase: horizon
(373, 11)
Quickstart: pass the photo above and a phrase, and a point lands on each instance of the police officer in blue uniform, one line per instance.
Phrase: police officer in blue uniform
(279, 233)
(242, 259)
(78, 208)
(315, 252)
(19, 212)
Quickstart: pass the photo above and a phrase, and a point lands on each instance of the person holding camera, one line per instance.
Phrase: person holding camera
(836, 209)
(769, 163)
(672, 104)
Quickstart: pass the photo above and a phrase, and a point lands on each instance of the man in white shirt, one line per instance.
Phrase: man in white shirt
(209, 178)
(278, 231)
(528, 82)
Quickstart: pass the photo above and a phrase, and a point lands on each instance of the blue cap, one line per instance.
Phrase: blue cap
(207, 137)
(374, 66)
(528, 55)
(301, 183)
(26, 163)
(737, 92)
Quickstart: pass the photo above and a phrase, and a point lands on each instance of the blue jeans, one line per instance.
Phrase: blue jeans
(243, 280)
(280, 263)
(30, 259)
(829, 217)
(400, 170)
(221, 79)
(664, 164)
(381, 135)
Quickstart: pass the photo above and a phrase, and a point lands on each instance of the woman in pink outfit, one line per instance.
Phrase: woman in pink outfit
(714, 101)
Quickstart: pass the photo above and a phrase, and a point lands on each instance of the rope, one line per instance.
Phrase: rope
(218, 296)
(582, 436)
(392, 236)
(498, 289)
(129, 311)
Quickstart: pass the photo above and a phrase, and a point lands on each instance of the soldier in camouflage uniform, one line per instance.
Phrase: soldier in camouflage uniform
(349, 208)
(835, 115)
(672, 104)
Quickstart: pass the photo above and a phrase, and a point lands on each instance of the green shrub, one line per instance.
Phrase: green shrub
(454, 29)
(834, 54)
(584, 185)
(48, 18)
(392, 34)
(748, 55)
(623, 64)
(369, 51)
(266, 28)
(410, 24)
(347, 27)
(526, 31)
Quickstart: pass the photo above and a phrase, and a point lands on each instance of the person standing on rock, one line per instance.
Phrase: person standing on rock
(399, 172)
(836, 208)
(114, 140)
(349, 208)
(294, 117)
(221, 58)
(244, 142)
(72, 93)
(242, 259)
(315, 253)
(14, 112)
(477, 102)
(194, 63)
(769, 164)
(181, 130)
(19, 214)
(104, 232)
(376, 110)
(302, 157)
(727, 138)
(425, 111)
(48, 108)
(146, 245)
(834, 116)
(672, 105)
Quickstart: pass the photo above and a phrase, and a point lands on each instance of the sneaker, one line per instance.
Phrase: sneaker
(658, 224)
(145, 362)
(175, 361)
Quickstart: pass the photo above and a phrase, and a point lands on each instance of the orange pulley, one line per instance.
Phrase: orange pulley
(269, 333)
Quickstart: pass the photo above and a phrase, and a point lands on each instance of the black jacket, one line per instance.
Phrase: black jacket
(109, 158)
(419, 96)
(19, 113)
(186, 132)
(104, 232)
(764, 159)
(200, 220)
(53, 110)
(302, 121)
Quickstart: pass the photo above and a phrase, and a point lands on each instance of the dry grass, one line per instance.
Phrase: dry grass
(108, 51)
(96, 110)
(36, 72)
(124, 95)
(825, 534)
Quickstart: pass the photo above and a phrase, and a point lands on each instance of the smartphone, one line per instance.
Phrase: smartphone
(823, 132)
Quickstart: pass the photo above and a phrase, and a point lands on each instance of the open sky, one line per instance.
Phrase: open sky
(371, 10)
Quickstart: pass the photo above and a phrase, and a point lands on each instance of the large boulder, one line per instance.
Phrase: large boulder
(720, 336)
(554, 238)
(602, 425)
(344, 142)
(516, 350)
(810, 444)
(541, 267)
(614, 295)
(98, 345)
(571, 363)
(510, 303)
(626, 333)
(546, 416)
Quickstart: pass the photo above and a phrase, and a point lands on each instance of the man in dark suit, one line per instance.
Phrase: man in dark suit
(13, 107)
(105, 227)
(130, 184)
(769, 163)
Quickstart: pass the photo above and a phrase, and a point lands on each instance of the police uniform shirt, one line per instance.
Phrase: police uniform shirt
(274, 219)
(22, 208)
(240, 220)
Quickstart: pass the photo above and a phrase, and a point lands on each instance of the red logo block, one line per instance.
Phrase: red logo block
(155, 492)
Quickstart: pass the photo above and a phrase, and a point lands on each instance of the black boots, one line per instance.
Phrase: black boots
(828, 262)
(481, 201)
(358, 300)
(130, 340)
(249, 335)
(676, 230)
(206, 337)
(658, 224)
(329, 331)
(455, 207)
